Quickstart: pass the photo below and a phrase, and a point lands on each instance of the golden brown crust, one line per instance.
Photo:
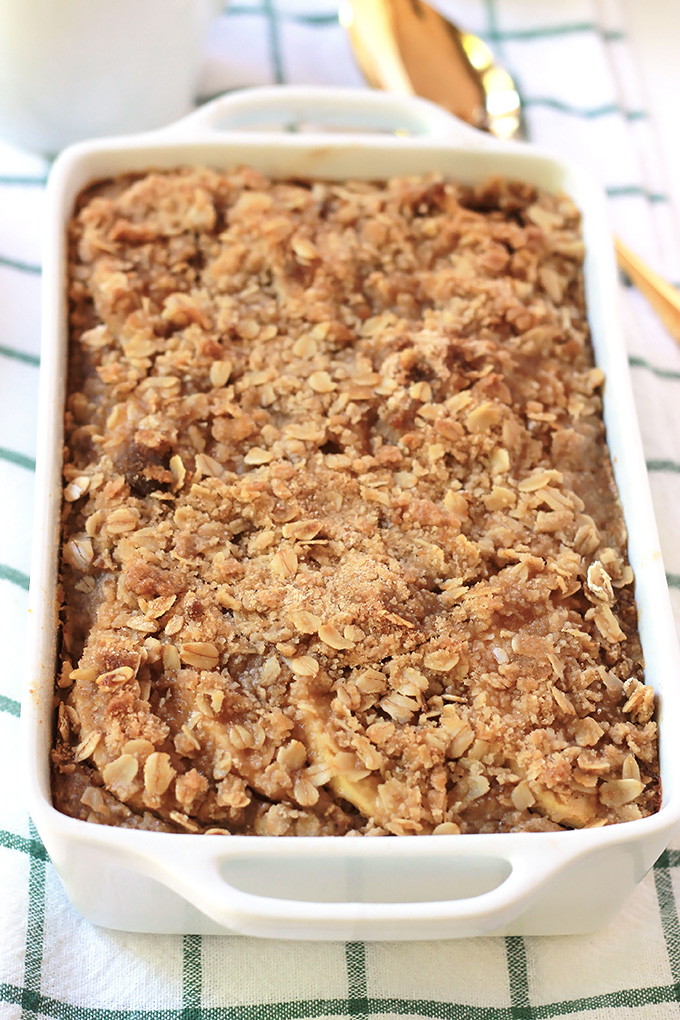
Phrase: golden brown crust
(342, 551)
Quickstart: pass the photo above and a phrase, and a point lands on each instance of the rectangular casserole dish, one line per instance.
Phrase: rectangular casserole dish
(335, 888)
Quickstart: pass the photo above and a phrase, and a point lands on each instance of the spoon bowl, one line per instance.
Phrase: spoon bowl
(408, 47)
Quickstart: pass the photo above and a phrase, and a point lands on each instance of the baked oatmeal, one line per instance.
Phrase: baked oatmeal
(342, 550)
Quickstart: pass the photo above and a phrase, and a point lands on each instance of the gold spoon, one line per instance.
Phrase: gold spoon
(406, 46)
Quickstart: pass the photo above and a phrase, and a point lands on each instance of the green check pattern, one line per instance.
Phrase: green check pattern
(53, 964)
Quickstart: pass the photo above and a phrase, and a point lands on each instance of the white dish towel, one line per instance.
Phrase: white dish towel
(54, 964)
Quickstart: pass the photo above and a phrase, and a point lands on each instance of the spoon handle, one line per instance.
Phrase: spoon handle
(664, 299)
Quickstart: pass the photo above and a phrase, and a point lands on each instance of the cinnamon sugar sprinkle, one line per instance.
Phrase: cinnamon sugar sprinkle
(342, 551)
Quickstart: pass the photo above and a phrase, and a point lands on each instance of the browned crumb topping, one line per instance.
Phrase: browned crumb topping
(342, 551)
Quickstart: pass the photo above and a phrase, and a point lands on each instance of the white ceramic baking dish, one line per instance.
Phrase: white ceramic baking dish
(410, 887)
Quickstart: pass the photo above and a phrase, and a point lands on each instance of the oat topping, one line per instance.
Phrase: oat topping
(342, 551)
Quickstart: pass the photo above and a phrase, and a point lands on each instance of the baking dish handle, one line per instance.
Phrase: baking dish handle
(348, 109)
(202, 882)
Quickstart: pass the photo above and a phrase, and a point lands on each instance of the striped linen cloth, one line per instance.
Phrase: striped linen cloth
(54, 964)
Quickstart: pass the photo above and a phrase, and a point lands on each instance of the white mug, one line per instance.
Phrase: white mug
(73, 69)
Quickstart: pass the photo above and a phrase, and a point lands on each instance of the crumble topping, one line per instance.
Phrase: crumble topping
(342, 551)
